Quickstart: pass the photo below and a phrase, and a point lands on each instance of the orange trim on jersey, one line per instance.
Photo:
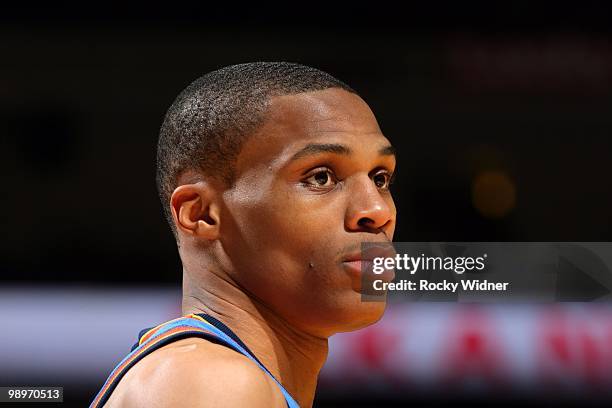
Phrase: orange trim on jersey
(150, 332)
(119, 370)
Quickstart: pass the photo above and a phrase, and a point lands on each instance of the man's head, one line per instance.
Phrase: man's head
(273, 174)
(210, 119)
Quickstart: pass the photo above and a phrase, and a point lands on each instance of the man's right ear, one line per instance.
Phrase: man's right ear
(195, 211)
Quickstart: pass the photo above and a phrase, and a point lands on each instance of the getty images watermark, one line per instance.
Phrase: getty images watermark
(487, 271)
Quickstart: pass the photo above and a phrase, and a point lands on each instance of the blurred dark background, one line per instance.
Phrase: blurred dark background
(500, 112)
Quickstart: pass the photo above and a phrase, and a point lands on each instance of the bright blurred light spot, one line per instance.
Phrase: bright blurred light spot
(493, 194)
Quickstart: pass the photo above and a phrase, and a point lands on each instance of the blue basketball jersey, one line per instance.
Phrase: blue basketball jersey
(193, 325)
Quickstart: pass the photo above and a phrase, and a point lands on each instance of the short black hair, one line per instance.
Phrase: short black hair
(209, 121)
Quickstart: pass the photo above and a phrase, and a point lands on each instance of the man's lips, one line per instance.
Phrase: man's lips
(361, 262)
(369, 253)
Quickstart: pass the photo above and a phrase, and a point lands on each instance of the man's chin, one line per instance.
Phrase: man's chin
(363, 314)
(344, 312)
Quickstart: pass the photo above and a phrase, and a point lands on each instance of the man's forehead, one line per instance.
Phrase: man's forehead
(293, 121)
(328, 110)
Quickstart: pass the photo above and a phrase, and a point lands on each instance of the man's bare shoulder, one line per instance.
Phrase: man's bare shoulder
(196, 373)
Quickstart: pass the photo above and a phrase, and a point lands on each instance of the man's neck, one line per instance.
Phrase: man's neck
(292, 356)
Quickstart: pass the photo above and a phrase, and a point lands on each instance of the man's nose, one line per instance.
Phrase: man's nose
(367, 209)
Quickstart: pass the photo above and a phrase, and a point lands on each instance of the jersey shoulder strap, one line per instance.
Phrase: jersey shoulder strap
(187, 326)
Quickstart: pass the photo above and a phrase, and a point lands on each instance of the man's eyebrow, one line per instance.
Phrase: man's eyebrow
(387, 151)
(316, 148)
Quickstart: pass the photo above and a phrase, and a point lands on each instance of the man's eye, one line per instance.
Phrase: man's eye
(322, 178)
(382, 180)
